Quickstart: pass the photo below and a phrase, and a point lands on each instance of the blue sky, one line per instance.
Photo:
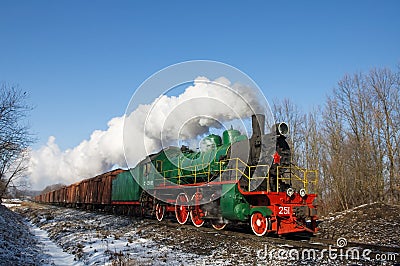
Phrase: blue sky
(81, 61)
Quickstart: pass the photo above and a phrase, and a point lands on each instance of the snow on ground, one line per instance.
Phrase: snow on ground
(18, 246)
(103, 239)
(375, 223)
(9, 203)
(56, 256)
(62, 236)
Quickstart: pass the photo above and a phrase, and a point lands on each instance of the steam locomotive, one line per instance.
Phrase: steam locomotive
(233, 179)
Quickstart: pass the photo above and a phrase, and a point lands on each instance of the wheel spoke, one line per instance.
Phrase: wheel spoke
(196, 213)
(160, 209)
(181, 208)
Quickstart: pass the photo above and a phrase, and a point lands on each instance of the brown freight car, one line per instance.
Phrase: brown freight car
(63, 197)
(92, 193)
(96, 192)
(59, 196)
(71, 195)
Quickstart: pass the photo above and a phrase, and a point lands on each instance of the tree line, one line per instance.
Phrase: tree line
(353, 140)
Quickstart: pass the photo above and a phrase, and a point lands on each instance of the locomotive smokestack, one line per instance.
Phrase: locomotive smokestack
(258, 124)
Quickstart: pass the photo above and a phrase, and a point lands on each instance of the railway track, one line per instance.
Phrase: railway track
(297, 242)
(392, 254)
(206, 240)
(243, 231)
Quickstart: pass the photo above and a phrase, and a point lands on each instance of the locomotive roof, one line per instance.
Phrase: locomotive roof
(152, 156)
(169, 148)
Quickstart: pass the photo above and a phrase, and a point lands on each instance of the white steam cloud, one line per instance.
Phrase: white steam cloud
(147, 129)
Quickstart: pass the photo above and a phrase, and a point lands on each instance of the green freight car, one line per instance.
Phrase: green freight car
(125, 189)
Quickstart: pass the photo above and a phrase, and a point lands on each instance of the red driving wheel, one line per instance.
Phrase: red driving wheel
(160, 210)
(259, 224)
(182, 208)
(218, 225)
(197, 213)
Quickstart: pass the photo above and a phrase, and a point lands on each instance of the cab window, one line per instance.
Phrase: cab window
(159, 166)
(146, 169)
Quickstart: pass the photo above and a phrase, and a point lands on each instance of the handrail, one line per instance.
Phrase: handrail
(301, 177)
(202, 172)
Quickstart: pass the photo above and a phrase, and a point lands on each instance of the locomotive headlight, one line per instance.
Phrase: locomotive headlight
(290, 192)
(302, 192)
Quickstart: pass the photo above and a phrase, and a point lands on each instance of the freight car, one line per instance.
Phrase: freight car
(233, 179)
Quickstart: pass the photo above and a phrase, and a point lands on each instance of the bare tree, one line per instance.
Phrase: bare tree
(14, 135)
(361, 136)
(354, 141)
(287, 111)
(385, 86)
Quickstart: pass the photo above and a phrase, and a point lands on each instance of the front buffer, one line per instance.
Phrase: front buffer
(284, 215)
(293, 212)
